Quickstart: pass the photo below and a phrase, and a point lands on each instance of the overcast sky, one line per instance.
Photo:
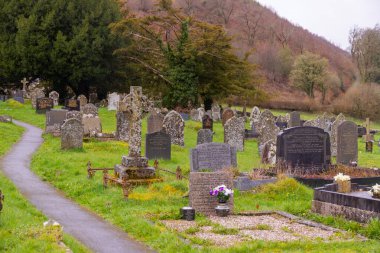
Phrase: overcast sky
(331, 19)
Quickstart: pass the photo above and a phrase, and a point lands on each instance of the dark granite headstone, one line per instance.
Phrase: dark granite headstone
(362, 131)
(185, 116)
(158, 146)
(305, 147)
(44, 104)
(204, 136)
(347, 143)
(207, 122)
(72, 104)
(214, 156)
(54, 120)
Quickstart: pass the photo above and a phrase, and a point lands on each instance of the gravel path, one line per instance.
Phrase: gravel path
(94, 232)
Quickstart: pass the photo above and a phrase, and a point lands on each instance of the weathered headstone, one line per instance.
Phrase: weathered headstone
(158, 146)
(204, 136)
(91, 125)
(207, 122)
(281, 122)
(295, 119)
(71, 134)
(266, 127)
(44, 104)
(334, 132)
(234, 131)
(194, 115)
(215, 112)
(82, 100)
(227, 114)
(122, 126)
(74, 115)
(113, 101)
(174, 125)
(201, 113)
(347, 143)
(54, 121)
(72, 104)
(155, 121)
(322, 121)
(34, 94)
(213, 156)
(269, 153)
(305, 147)
(55, 96)
(254, 118)
(90, 109)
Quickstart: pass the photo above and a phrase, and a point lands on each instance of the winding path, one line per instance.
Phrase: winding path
(94, 232)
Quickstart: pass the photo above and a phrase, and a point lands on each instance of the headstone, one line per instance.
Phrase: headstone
(266, 127)
(113, 101)
(18, 95)
(122, 126)
(34, 95)
(155, 121)
(305, 147)
(347, 143)
(207, 122)
(5, 119)
(213, 156)
(74, 115)
(72, 104)
(227, 114)
(82, 100)
(158, 146)
(361, 131)
(93, 98)
(234, 131)
(201, 113)
(215, 112)
(322, 121)
(204, 136)
(90, 109)
(281, 124)
(269, 153)
(254, 118)
(295, 119)
(44, 104)
(103, 103)
(55, 96)
(54, 121)
(71, 134)
(174, 125)
(334, 132)
(91, 125)
(194, 115)
(185, 116)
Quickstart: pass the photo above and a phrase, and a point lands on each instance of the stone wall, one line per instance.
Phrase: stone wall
(200, 185)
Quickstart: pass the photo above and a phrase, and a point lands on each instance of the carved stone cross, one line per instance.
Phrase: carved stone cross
(24, 83)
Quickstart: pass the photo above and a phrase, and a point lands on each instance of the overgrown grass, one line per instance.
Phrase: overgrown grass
(21, 225)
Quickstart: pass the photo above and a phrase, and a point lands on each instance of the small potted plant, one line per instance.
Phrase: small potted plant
(344, 183)
(375, 191)
(223, 194)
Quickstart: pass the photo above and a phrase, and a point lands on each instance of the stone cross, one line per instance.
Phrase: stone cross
(367, 126)
(24, 83)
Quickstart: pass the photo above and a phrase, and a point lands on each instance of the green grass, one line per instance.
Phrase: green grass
(21, 225)
(140, 215)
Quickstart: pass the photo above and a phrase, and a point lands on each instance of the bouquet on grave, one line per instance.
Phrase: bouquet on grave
(344, 183)
(222, 193)
(375, 191)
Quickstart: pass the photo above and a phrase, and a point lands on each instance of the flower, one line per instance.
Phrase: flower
(341, 177)
(374, 190)
(221, 192)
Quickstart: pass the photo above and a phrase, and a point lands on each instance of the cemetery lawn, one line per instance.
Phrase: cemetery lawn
(21, 225)
(141, 214)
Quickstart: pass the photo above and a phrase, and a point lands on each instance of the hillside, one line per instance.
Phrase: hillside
(274, 41)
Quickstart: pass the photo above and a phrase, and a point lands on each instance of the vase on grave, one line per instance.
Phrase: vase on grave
(344, 186)
(222, 210)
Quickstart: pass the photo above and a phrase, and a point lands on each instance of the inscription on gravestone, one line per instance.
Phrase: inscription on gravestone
(347, 143)
(305, 147)
(54, 120)
(214, 156)
(158, 146)
(204, 136)
(44, 104)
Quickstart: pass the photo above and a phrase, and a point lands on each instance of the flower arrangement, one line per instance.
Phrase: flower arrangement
(222, 193)
(344, 183)
(342, 177)
(375, 191)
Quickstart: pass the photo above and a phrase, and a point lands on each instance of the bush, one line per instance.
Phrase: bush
(361, 101)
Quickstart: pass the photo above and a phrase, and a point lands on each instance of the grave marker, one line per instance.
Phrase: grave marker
(43, 105)
(347, 143)
(158, 146)
(71, 134)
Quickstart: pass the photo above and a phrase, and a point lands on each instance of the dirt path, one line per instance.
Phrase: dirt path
(94, 232)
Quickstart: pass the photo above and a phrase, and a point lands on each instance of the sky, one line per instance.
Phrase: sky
(331, 19)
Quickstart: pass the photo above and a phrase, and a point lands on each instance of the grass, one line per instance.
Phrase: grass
(21, 225)
(140, 215)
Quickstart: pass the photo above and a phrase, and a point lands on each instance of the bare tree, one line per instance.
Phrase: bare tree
(282, 32)
(251, 18)
(223, 9)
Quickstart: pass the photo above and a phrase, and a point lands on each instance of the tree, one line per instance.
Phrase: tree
(65, 42)
(309, 72)
(182, 57)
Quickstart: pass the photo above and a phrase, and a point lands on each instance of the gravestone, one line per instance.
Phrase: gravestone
(185, 116)
(362, 131)
(34, 95)
(72, 104)
(113, 101)
(44, 104)
(200, 186)
(91, 125)
(207, 122)
(266, 127)
(322, 121)
(234, 131)
(227, 114)
(155, 121)
(18, 95)
(122, 126)
(294, 119)
(74, 115)
(158, 146)
(194, 115)
(215, 112)
(204, 136)
(71, 134)
(254, 118)
(90, 109)
(201, 113)
(334, 130)
(54, 121)
(214, 156)
(269, 153)
(55, 96)
(174, 125)
(347, 143)
(305, 147)
(93, 98)
(82, 100)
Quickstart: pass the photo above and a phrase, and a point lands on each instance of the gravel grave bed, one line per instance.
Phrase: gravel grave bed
(268, 227)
